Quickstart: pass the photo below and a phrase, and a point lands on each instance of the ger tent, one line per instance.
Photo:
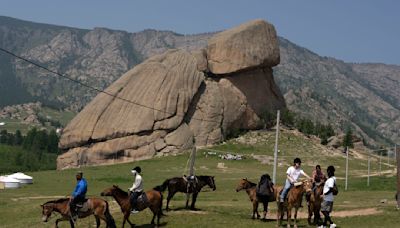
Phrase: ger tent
(9, 182)
(22, 178)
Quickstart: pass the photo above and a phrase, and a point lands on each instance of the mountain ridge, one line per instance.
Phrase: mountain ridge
(357, 95)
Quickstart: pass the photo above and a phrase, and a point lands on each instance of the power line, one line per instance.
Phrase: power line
(94, 88)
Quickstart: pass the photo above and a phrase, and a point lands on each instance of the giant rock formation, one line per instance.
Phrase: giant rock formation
(179, 99)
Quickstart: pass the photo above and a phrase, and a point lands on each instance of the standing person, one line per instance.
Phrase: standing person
(327, 204)
(78, 196)
(265, 192)
(136, 189)
(293, 173)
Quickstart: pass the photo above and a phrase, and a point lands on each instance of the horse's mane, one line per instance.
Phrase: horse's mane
(252, 184)
(120, 190)
(62, 200)
(203, 177)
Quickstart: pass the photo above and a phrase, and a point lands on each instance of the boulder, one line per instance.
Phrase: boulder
(250, 45)
(176, 100)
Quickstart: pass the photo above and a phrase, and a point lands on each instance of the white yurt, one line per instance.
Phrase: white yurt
(9, 182)
(23, 178)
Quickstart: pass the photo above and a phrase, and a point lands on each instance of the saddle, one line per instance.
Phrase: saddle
(142, 198)
(83, 206)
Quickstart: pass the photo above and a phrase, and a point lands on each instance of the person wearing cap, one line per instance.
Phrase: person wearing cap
(293, 173)
(78, 195)
(137, 188)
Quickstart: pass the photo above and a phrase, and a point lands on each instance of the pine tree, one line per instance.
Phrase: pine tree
(348, 139)
(18, 138)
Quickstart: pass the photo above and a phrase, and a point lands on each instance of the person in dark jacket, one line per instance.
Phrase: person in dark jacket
(265, 192)
(78, 195)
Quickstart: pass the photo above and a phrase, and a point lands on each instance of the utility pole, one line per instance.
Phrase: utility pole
(347, 167)
(192, 160)
(276, 147)
(398, 177)
(369, 165)
(380, 163)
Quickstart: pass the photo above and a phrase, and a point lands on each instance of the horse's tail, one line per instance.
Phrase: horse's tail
(109, 219)
(161, 188)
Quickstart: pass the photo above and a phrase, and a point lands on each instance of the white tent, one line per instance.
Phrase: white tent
(9, 182)
(22, 178)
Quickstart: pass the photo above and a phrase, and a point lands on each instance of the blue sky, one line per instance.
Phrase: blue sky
(354, 31)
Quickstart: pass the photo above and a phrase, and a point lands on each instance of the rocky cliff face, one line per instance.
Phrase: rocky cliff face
(179, 99)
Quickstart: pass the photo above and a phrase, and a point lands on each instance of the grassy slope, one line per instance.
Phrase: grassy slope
(62, 116)
(222, 208)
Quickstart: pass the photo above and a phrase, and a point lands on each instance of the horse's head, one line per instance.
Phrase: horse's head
(307, 185)
(109, 191)
(47, 209)
(211, 183)
(243, 184)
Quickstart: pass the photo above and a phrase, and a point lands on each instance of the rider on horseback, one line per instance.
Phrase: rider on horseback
(78, 196)
(293, 173)
(318, 177)
(136, 189)
(190, 183)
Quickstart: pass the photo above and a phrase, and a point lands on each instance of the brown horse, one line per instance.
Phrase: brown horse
(93, 206)
(179, 184)
(314, 204)
(154, 202)
(250, 188)
(293, 200)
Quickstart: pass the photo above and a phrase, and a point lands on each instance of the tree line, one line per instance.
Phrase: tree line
(37, 150)
(304, 125)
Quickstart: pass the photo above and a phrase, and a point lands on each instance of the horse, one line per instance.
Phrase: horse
(314, 204)
(179, 184)
(293, 200)
(93, 206)
(154, 202)
(250, 188)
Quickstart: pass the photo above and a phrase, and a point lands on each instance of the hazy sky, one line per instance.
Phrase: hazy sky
(354, 31)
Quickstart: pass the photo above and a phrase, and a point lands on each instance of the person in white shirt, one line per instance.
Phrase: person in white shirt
(137, 188)
(293, 173)
(327, 204)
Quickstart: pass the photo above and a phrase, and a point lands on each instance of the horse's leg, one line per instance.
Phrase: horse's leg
(295, 217)
(278, 214)
(255, 206)
(97, 221)
(187, 200)
(71, 223)
(126, 218)
(289, 216)
(64, 219)
(194, 197)
(310, 212)
(170, 195)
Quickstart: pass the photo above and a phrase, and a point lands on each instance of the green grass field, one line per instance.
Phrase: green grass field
(222, 208)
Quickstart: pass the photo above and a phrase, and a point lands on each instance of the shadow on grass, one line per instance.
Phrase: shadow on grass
(151, 225)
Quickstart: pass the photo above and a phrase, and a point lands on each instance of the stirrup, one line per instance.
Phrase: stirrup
(134, 211)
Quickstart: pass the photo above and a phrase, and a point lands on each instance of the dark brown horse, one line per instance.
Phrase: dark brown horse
(179, 184)
(250, 188)
(94, 206)
(314, 204)
(294, 198)
(154, 202)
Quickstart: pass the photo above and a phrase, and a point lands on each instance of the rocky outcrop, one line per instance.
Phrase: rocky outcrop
(253, 44)
(179, 99)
